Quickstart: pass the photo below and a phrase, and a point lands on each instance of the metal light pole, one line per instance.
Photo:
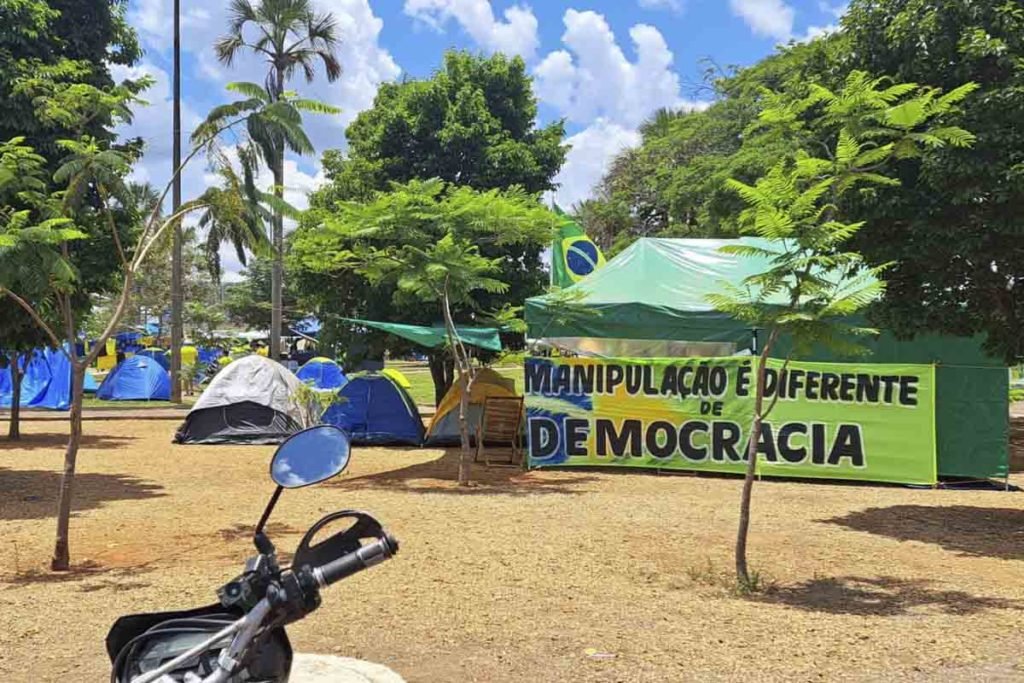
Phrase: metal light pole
(176, 266)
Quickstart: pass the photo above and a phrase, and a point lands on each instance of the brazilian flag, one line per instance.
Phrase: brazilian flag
(573, 254)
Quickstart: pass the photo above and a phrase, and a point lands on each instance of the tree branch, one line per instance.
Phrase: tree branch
(110, 223)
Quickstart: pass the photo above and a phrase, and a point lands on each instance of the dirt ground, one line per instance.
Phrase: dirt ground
(546, 576)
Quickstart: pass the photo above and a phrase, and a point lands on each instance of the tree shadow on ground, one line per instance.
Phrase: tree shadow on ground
(92, 575)
(32, 494)
(31, 442)
(972, 531)
(441, 476)
(882, 596)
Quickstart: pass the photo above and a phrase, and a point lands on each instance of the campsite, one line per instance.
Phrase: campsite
(498, 340)
(605, 559)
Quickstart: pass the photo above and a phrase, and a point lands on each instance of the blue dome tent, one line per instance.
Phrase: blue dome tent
(376, 411)
(136, 379)
(324, 373)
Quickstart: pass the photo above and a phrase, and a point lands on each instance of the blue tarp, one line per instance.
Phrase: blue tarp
(57, 395)
(208, 356)
(136, 379)
(376, 411)
(46, 384)
(33, 382)
(323, 373)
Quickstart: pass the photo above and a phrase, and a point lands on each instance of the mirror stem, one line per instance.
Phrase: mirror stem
(270, 508)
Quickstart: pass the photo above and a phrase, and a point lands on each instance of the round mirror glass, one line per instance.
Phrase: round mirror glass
(309, 457)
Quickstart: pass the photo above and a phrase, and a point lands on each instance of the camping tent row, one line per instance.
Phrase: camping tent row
(253, 401)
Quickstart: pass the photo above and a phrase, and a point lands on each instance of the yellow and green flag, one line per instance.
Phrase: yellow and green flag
(573, 254)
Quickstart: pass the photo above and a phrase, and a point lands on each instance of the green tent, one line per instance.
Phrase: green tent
(657, 290)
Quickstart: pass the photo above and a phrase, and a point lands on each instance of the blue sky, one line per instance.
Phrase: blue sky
(603, 65)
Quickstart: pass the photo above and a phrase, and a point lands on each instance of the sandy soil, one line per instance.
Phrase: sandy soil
(550, 576)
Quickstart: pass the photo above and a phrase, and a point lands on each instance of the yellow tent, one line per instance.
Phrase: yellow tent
(444, 428)
(399, 378)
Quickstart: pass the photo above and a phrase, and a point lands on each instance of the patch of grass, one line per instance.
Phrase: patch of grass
(707, 574)
(1016, 395)
(757, 582)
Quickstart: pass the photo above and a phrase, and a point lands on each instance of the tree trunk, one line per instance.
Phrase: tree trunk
(742, 574)
(441, 370)
(277, 272)
(14, 428)
(61, 551)
(464, 428)
(466, 377)
(177, 267)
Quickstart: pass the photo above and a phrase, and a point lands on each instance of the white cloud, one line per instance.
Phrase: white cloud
(154, 19)
(768, 18)
(813, 32)
(591, 151)
(594, 79)
(673, 5)
(837, 11)
(592, 82)
(516, 35)
(834, 11)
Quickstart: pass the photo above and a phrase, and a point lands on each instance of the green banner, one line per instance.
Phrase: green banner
(869, 422)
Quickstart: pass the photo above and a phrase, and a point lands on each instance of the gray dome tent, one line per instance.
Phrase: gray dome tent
(250, 401)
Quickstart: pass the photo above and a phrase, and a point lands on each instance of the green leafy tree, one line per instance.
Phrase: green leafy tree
(953, 233)
(235, 215)
(84, 191)
(73, 43)
(815, 283)
(421, 243)
(21, 183)
(471, 124)
(246, 303)
(293, 38)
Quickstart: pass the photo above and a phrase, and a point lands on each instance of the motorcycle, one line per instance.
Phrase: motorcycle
(242, 637)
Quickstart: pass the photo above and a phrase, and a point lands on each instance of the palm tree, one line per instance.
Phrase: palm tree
(291, 37)
(235, 214)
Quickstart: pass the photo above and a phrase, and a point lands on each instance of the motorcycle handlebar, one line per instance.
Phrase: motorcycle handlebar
(373, 553)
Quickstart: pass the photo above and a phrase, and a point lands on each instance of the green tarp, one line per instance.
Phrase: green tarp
(658, 288)
(435, 336)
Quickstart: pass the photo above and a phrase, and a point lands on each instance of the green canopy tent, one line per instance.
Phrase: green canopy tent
(651, 300)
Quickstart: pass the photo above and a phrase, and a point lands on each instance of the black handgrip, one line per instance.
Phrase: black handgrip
(347, 565)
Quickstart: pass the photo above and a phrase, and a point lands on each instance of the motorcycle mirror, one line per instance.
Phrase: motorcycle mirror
(310, 457)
